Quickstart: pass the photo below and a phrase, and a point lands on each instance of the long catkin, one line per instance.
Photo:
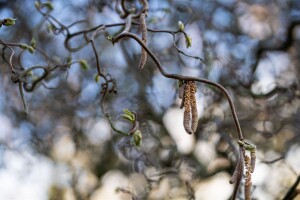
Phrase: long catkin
(143, 27)
(187, 109)
(193, 90)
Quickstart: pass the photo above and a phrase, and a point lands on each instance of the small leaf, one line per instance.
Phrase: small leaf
(69, 60)
(97, 78)
(49, 5)
(33, 43)
(180, 26)
(37, 4)
(8, 21)
(137, 138)
(83, 64)
(30, 49)
(109, 38)
(188, 41)
(129, 118)
(50, 28)
(23, 46)
(128, 112)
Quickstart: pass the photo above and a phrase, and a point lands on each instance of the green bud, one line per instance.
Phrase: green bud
(50, 28)
(180, 26)
(33, 43)
(69, 60)
(8, 21)
(127, 117)
(30, 49)
(109, 38)
(97, 78)
(83, 64)
(23, 46)
(188, 41)
(30, 73)
(130, 114)
(37, 4)
(137, 138)
(56, 59)
(49, 5)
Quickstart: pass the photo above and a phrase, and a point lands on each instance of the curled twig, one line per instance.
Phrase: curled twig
(185, 78)
(125, 12)
(29, 87)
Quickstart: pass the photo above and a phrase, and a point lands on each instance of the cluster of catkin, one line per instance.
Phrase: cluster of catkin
(187, 91)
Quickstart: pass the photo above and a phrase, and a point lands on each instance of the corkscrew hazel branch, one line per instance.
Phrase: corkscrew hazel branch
(185, 78)
(202, 80)
(125, 12)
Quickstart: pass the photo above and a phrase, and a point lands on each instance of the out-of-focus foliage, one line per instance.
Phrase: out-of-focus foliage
(65, 147)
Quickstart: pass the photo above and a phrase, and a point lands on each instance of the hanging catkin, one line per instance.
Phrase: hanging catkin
(248, 183)
(187, 91)
(253, 160)
(193, 90)
(144, 39)
(187, 109)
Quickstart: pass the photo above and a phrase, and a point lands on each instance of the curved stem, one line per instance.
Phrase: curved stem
(186, 78)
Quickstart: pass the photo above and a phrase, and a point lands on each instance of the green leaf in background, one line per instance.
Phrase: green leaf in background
(180, 26)
(137, 138)
(84, 65)
(97, 78)
(8, 22)
(188, 41)
(129, 114)
(49, 5)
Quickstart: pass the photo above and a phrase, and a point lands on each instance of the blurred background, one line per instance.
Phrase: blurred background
(65, 148)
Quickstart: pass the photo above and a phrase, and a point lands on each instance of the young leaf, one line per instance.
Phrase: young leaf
(137, 138)
(8, 22)
(37, 4)
(97, 78)
(129, 118)
(128, 112)
(51, 28)
(83, 64)
(23, 46)
(188, 41)
(33, 43)
(180, 26)
(30, 49)
(49, 5)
